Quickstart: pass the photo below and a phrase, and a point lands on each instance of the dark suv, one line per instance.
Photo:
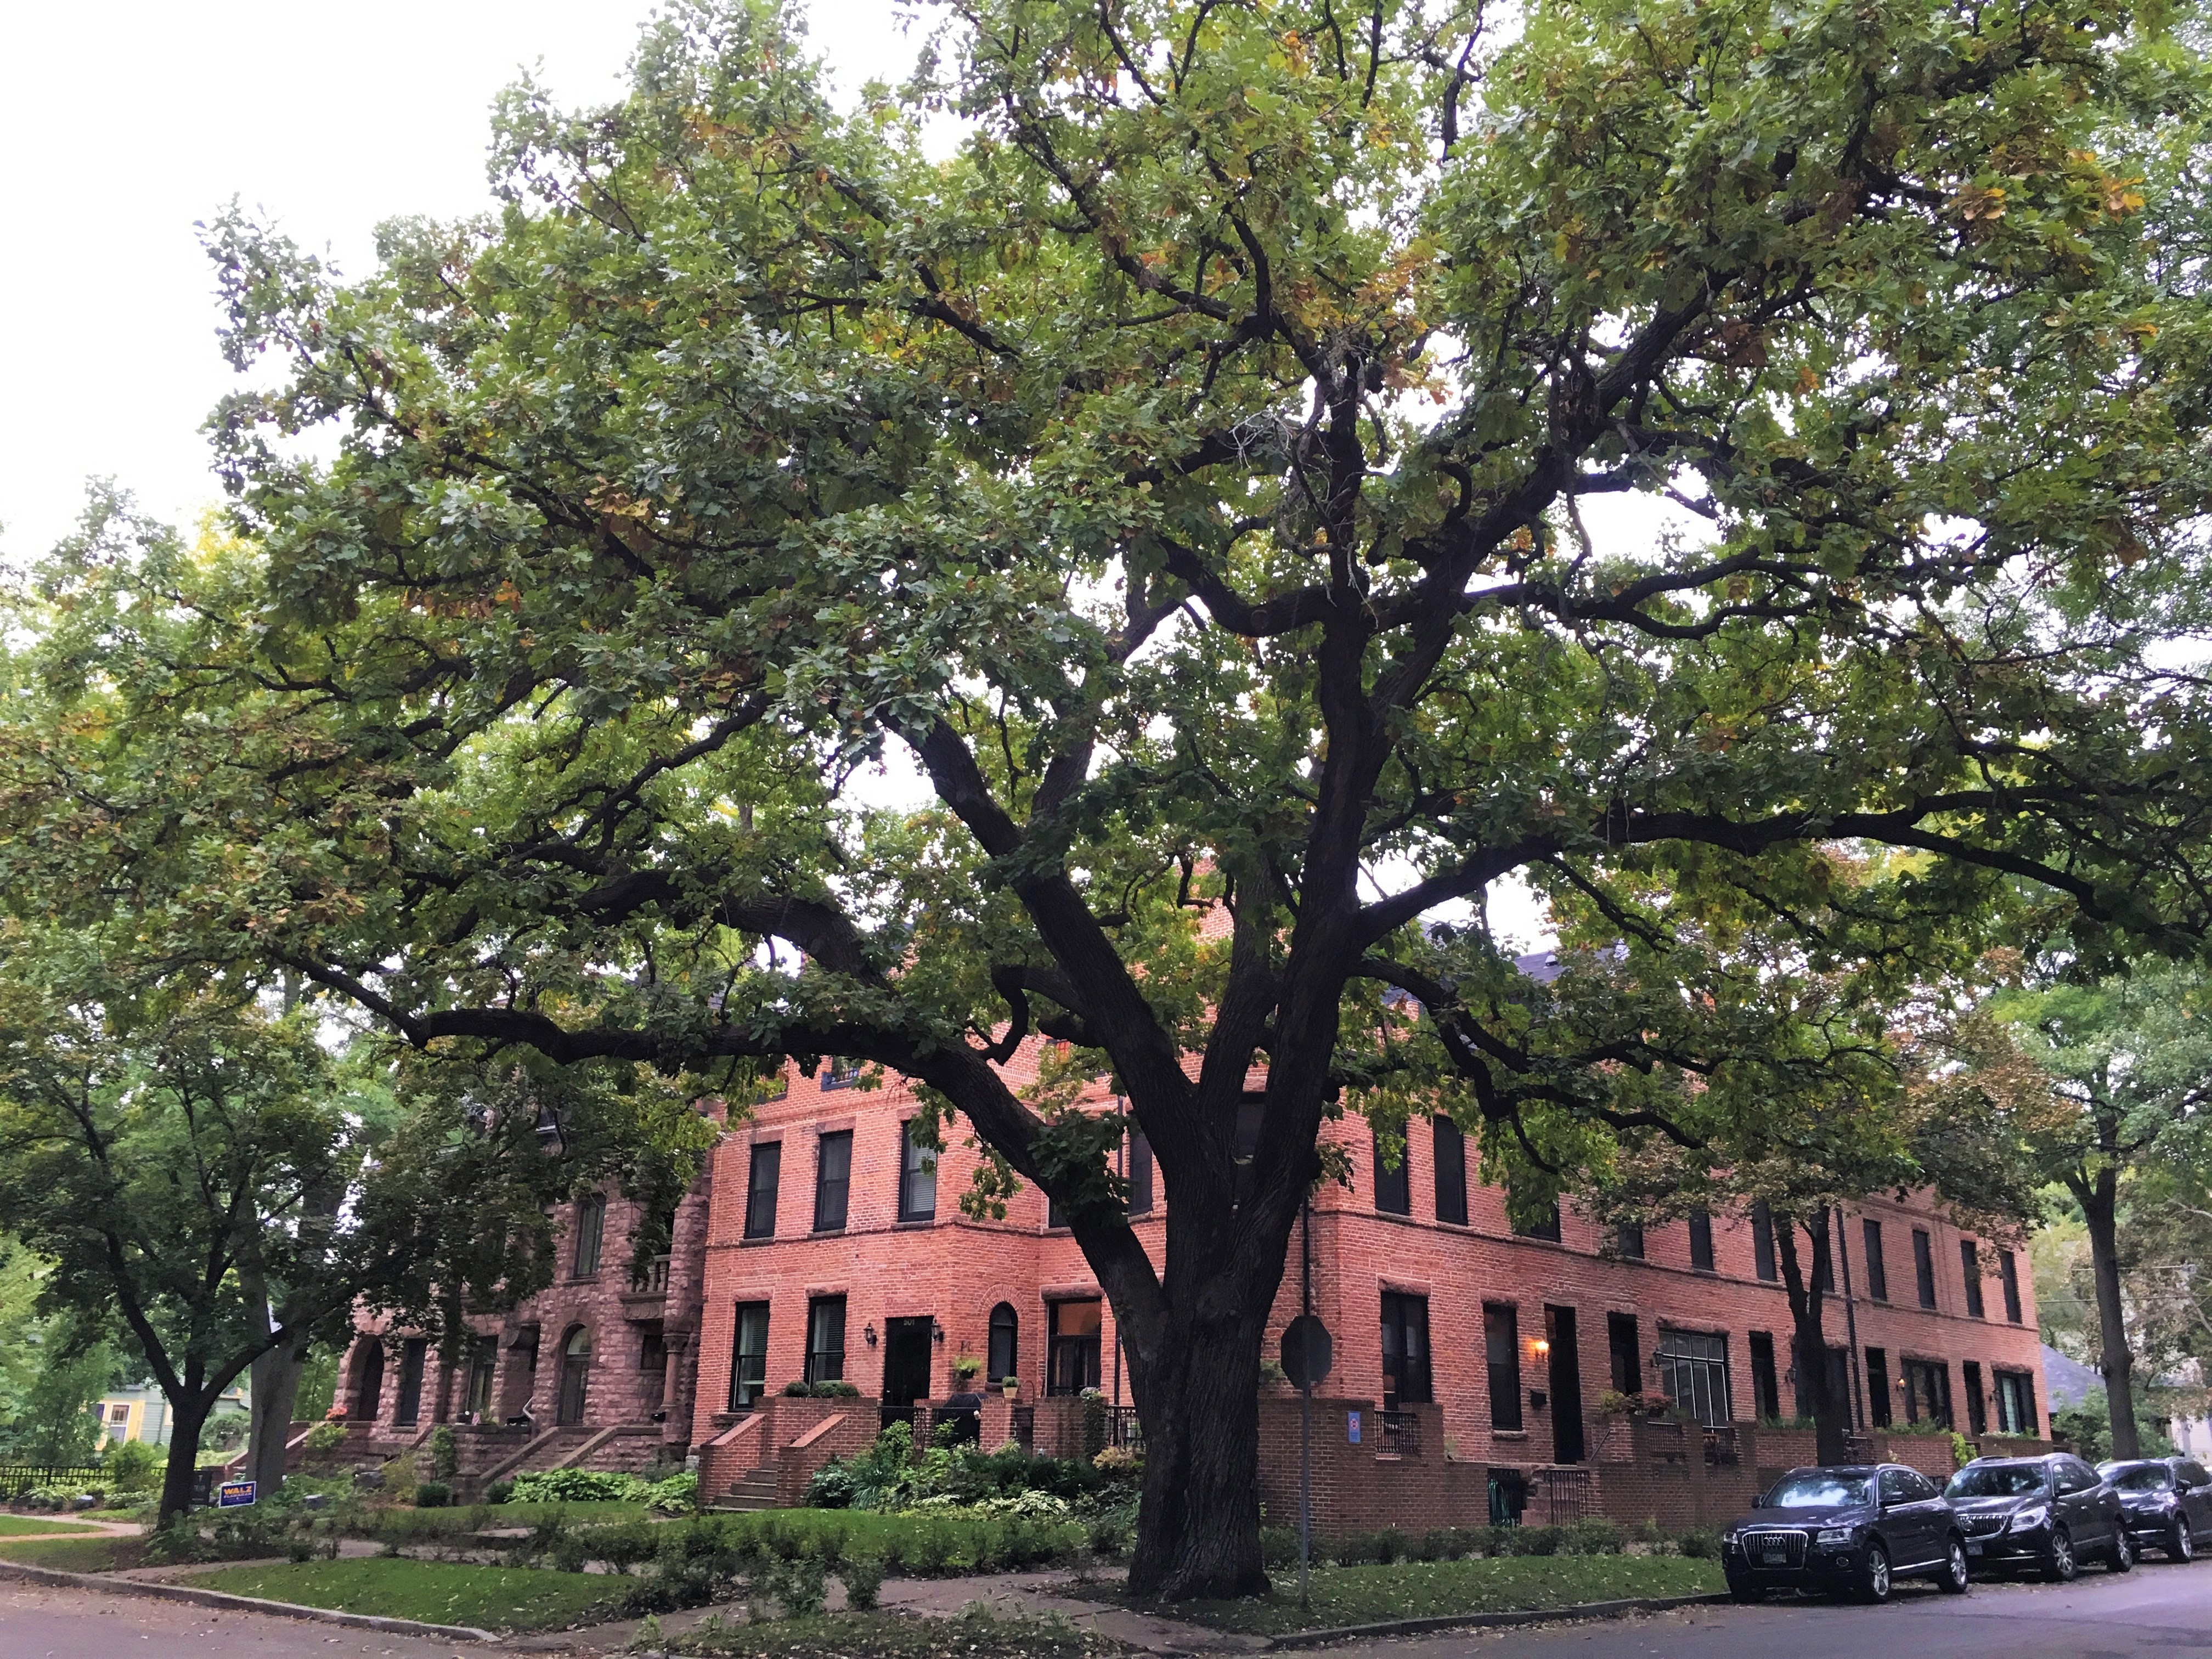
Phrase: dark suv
(1856, 1529)
(2167, 1502)
(2050, 1512)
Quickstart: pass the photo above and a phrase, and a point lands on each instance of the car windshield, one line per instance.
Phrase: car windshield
(1815, 1489)
(2144, 1477)
(1999, 1481)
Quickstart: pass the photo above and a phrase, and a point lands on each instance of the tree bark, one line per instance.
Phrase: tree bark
(2099, 1198)
(1200, 1533)
(188, 1414)
(1832, 1422)
(275, 1384)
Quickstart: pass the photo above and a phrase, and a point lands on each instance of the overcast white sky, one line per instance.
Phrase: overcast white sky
(128, 121)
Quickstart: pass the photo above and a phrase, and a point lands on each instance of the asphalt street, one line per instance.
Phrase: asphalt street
(2158, 1609)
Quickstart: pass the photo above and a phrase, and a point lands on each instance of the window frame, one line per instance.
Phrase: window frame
(1628, 1241)
(1393, 1188)
(1624, 1349)
(1694, 1369)
(1086, 1348)
(1143, 1173)
(822, 1353)
(917, 1163)
(2008, 1279)
(1011, 1355)
(1702, 1258)
(1923, 1266)
(1415, 1381)
(825, 1185)
(1877, 1270)
(761, 1202)
(1448, 1148)
(1970, 1276)
(837, 1073)
(1501, 1354)
(591, 1223)
(745, 1390)
(1881, 1407)
(1765, 1380)
(1762, 1244)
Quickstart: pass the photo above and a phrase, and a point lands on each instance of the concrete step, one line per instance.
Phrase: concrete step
(756, 1491)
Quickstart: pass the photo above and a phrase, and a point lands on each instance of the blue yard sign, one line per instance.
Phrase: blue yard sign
(1351, 1426)
(233, 1494)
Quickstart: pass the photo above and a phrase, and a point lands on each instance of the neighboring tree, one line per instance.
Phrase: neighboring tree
(2130, 1059)
(52, 1371)
(187, 1158)
(1209, 481)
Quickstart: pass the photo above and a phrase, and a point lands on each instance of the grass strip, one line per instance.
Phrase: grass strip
(973, 1634)
(434, 1592)
(1345, 1597)
(24, 1526)
(95, 1553)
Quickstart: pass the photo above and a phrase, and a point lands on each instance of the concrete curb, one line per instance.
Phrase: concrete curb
(208, 1598)
(1307, 1638)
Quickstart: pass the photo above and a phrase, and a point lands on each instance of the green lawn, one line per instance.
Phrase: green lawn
(1426, 1589)
(98, 1552)
(25, 1526)
(972, 1635)
(435, 1592)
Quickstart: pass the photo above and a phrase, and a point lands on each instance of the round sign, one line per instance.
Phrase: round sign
(1307, 1352)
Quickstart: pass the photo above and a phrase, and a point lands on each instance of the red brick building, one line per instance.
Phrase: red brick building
(823, 1243)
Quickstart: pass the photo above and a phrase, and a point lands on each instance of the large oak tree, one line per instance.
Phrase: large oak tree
(1309, 458)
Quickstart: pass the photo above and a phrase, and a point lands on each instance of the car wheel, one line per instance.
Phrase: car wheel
(2122, 1557)
(2058, 1563)
(1873, 1578)
(1951, 1581)
(2181, 1545)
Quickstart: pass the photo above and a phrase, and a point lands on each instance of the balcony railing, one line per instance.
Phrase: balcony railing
(1721, 1447)
(1401, 1433)
(652, 1279)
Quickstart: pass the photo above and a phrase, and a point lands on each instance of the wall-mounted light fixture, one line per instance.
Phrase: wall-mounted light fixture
(1542, 1346)
(936, 1332)
(869, 1332)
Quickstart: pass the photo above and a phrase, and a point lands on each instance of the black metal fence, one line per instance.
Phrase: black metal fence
(1401, 1433)
(21, 1477)
(1558, 1496)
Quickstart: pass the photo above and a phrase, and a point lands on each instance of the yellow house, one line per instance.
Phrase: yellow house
(139, 1413)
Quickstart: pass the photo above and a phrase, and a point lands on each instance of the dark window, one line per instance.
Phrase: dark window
(1072, 1330)
(1393, 1188)
(1978, 1416)
(1877, 1275)
(1693, 1368)
(1628, 1241)
(840, 1073)
(1765, 1386)
(2008, 1273)
(1006, 1343)
(1501, 1345)
(484, 1366)
(1405, 1351)
(1970, 1272)
(575, 1376)
(1824, 1261)
(1762, 1242)
(653, 1362)
(1545, 1227)
(833, 1180)
(2016, 1404)
(825, 1339)
(761, 1189)
(1878, 1410)
(1923, 1268)
(1627, 1352)
(1451, 1172)
(1140, 1172)
(412, 1354)
(917, 1192)
(1928, 1391)
(1701, 1242)
(591, 1230)
(1052, 1218)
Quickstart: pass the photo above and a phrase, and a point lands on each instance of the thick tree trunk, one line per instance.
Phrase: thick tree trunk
(276, 1383)
(1832, 1421)
(1198, 1526)
(187, 1417)
(2100, 1197)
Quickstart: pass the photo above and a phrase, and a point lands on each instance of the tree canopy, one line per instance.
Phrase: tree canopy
(1308, 461)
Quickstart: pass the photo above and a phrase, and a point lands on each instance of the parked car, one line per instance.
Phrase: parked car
(2051, 1512)
(1856, 1530)
(2167, 1502)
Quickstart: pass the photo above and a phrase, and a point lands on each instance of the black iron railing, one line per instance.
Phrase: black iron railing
(1721, 1447)
(1557, 1495)
(21, 1477)
(1024, 1427)
(1401, 1433)
(1122, 1428)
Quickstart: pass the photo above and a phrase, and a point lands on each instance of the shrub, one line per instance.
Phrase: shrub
(798, 1388)
(1278, 1548)
(499, 1491)
(445, 1453)
(325, 1438)
(863, 1578)
(433, 1495)
(678, 1492)
(1702, 1543)
(574, 1486)
(399, 1478)
(800, 1586)
(1595, 1534)
(132, 1466)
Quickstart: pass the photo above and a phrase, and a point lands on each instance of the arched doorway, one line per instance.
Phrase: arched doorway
(1004, 1345)
(368, 1380)
(576, 1370)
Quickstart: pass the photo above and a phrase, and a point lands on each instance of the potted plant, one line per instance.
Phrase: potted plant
(966, 1368)
(1011, 1387)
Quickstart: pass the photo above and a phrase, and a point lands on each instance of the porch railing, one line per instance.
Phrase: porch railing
(1401, 1433)
(1559, 1495)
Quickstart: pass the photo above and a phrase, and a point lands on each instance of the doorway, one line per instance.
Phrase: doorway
(369, 1392)
(408, 1411)
(905, 1365)
(1566, 1367)
(575, 1373)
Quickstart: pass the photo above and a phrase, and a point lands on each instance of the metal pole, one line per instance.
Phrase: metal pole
(1119, 1111)
(1851, 1326)
(1305, 1409)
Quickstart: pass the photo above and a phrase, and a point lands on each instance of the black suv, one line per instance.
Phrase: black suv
(2167, 1502)
(2051, 1512)
(1857, 1529)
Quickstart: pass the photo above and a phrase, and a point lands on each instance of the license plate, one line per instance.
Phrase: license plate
(1973, 1549)
(1774, 1557)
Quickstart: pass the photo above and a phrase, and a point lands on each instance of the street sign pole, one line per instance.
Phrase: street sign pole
(1305, 1410)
